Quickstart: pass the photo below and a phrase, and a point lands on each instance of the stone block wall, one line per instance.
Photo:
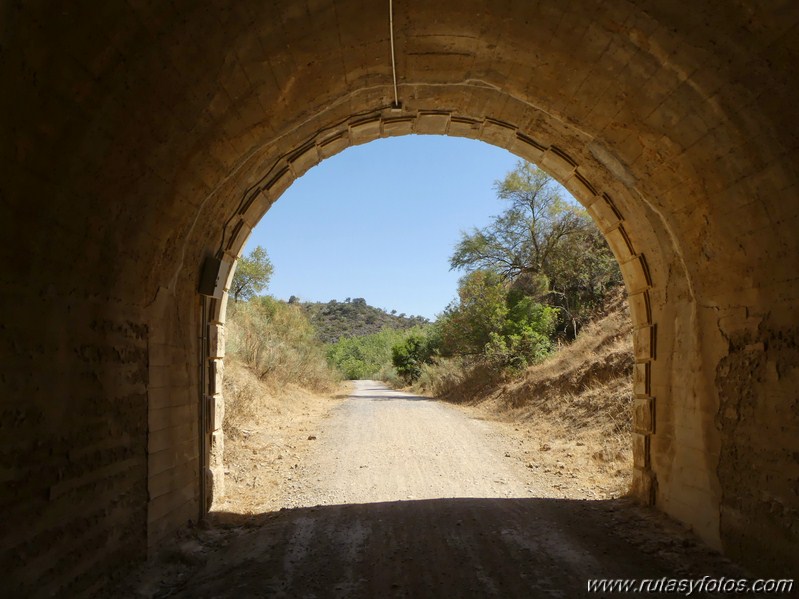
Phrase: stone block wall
(140, 139)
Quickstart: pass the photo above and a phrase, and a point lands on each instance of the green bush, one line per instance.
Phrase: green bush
(466, 325)
(368, 356)
(525, 337)
(409, 357)
(497, 325)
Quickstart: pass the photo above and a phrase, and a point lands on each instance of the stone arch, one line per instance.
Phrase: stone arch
(134, 131)
(281, 173)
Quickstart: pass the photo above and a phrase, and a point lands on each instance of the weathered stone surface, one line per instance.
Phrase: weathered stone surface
(216, 341)
(138, 135)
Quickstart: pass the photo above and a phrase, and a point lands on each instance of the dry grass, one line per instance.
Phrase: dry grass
(251, 401)
(278, 344)
(267, 429)
(244, 397)
(577, 404)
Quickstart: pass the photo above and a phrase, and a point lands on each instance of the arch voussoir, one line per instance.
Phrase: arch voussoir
(147, 140)
(292, 164)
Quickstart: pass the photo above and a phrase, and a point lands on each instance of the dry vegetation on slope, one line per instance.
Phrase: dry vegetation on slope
(571, 415)
(268, 430)
(277, 388)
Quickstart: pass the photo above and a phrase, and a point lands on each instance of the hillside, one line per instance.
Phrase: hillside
(336, 320)
(578, 401)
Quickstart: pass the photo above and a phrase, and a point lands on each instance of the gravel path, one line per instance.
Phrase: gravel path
(400, 496)
(384, 445)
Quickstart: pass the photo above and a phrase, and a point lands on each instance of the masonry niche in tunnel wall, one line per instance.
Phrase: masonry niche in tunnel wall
(141, 139)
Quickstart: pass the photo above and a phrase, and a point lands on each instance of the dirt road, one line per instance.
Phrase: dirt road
(400, 496)
(384, 445)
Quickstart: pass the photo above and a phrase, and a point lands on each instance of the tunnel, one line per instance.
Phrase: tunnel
(142, 142)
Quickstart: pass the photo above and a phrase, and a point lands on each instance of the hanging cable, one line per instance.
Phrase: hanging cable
(393, 60)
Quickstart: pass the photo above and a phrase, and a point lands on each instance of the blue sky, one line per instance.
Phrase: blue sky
(380, 221)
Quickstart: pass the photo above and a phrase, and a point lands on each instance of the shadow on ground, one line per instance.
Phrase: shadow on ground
(434, 548)
(391, 397)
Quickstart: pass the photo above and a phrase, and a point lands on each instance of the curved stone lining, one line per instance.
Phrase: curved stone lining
(360, 130)
(134, 129)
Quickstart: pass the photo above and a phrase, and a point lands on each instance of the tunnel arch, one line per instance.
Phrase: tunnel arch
(135, 132)
(388, 122)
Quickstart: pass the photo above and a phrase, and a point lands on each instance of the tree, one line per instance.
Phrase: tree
(409, 357)
(467, 325)
(366, 356)
(495, 324)
(543, 246)
(525, 337)
(523, 238)
(252, 274)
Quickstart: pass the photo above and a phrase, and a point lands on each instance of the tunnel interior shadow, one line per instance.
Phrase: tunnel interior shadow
(469, 547)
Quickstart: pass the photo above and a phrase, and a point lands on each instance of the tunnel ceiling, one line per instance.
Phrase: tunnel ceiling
(137, 139)
(175, 111)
